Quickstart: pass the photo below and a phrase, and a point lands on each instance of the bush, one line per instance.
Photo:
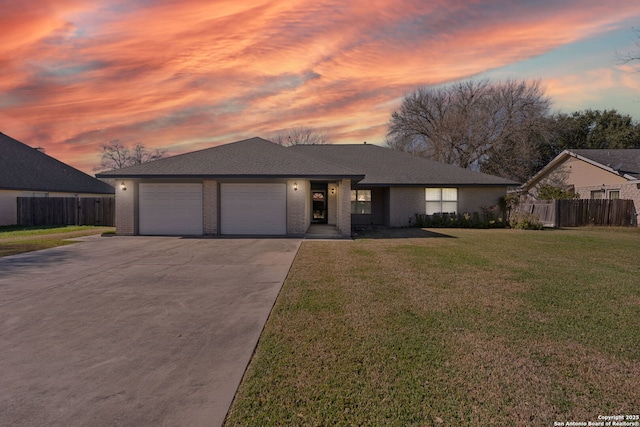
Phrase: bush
(548, 192)
(466, 220)
(525, 222)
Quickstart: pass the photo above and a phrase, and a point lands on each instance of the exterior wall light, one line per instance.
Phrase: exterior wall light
(123, 186)
(295, 186)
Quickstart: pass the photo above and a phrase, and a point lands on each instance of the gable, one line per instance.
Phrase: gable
(581, 174)
(625, 162)
(580, 169)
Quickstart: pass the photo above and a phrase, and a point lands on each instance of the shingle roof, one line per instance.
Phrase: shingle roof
(624, 161)
(384, 166)
(255, 157)
(26, 168)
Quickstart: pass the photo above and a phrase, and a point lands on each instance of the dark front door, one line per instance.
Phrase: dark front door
(319, 205)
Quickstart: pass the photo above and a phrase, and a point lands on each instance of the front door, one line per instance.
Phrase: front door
(319, 206)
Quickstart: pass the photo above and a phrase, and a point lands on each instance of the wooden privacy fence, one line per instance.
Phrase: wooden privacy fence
(582, 212)
(66, 211)
(544, 210)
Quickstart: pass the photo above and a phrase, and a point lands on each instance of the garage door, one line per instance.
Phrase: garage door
(170, 209)
(253, 209)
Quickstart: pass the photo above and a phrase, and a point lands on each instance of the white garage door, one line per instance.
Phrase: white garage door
(174, 209)
(253, 209)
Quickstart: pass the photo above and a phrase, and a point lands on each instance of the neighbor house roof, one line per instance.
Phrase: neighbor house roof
(384, 166)
(623, 162)
(255, 158)
(29, 169)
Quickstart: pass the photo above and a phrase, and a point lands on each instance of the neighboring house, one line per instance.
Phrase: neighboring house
(28, 172)
(592, 174)
(256, 187)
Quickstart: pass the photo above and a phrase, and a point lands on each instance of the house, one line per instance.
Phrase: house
(29, 172)
(256, 187)
(399, 185)
(591, 174)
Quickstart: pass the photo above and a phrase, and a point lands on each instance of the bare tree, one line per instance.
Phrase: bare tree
(493, 127)
(116, 155)
(300, 135)
(141, 154)
(631, 56)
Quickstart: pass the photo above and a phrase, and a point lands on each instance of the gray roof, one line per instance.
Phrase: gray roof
(28, 169)
(255, 158)
(624, 162)
(384, 166)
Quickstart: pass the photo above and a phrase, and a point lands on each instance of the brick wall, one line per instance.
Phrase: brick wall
(332, 203)
(298, 215)
(343, 199)
(631, 191)
(404, 203)
(210, 207)
(473, 199)
(126, 208)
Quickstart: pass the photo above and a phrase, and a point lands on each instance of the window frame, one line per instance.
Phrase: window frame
(365, 202)
(443, 198)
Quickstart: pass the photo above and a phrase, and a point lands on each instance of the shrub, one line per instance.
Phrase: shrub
(465, 220)
(525, 222)
(508, 204)
(548, 192)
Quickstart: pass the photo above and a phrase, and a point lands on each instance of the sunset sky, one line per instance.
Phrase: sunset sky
(189, 74)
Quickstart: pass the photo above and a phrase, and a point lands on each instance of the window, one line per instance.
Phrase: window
(597, 194)
(361, 201)
(441, 200)
(614, 194)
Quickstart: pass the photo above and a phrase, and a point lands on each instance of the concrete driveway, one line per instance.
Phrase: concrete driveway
(140, 331)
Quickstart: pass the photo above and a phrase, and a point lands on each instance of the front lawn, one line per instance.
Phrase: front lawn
(19, 239)
(483, 327)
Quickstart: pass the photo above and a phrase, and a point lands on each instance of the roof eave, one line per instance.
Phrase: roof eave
(59, 190)
(230, 176)
(437, 184)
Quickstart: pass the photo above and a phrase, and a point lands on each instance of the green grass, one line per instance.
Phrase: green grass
(491, 327)
(23, 231)
(19, 239)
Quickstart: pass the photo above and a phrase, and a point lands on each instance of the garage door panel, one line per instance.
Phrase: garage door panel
(259, 209)
(170, 209)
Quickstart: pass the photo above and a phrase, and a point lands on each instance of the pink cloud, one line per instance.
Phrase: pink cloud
(186, 74)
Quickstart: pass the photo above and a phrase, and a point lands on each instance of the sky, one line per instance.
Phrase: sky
(185, 75)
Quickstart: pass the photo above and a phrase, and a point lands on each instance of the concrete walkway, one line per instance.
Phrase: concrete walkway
(324, 231)
(144, 331)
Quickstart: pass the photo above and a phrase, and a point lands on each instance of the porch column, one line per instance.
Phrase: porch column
(344, 207)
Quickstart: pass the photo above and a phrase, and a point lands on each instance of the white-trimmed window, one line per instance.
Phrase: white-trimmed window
(441, 200)
(614, 194)
(361, 201)
(597, 194)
